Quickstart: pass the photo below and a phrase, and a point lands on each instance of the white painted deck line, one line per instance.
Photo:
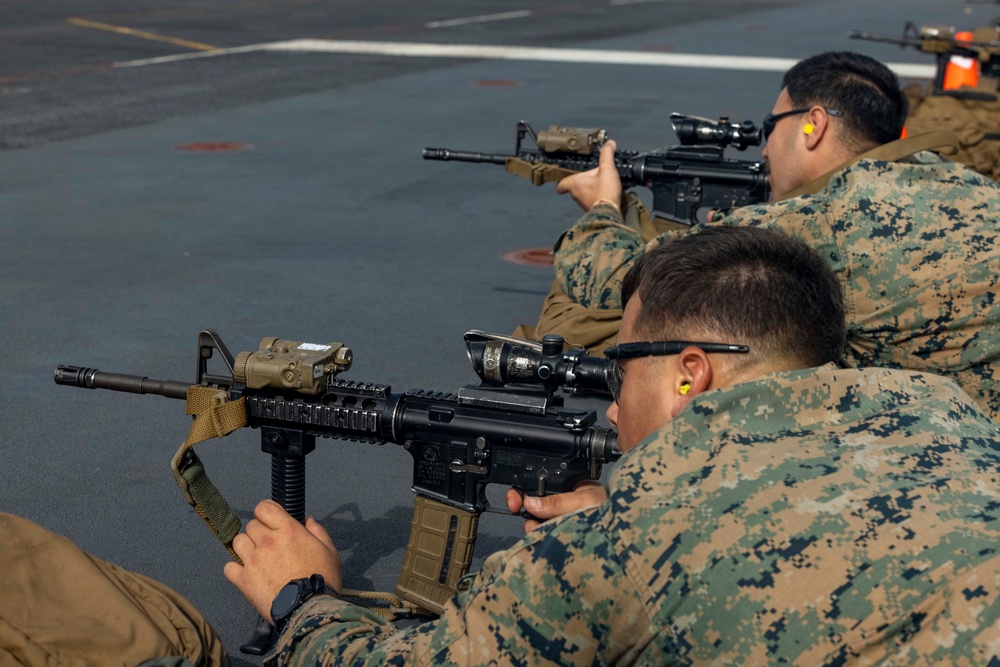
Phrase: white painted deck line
(619, 3)
(533, 54)
(485, 18)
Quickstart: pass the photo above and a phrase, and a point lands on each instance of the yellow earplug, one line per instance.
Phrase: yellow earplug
(808, 129)
(684, 388)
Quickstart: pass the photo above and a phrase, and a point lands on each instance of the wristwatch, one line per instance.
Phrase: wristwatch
(293, 595)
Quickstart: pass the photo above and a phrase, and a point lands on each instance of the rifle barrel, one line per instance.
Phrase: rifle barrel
(874, 37)
(91, 378)
(446, 154)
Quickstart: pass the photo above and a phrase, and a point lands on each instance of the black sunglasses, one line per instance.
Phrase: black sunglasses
(655, 349)
(767, 127)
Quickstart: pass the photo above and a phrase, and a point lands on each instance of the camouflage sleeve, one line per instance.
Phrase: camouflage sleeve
(544, 601)
(338, 621)
(594, 255)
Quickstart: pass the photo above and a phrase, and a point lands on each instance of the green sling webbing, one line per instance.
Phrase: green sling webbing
(215, 416)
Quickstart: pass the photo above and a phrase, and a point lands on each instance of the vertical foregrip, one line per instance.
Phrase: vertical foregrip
(288, 484)
(438, 553)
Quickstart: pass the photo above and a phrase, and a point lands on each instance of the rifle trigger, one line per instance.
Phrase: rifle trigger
(458, 466)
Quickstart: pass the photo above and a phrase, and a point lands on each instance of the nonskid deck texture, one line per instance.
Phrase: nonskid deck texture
(117, 247)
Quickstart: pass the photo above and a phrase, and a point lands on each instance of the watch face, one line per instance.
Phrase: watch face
(292, 595)
(285, 601)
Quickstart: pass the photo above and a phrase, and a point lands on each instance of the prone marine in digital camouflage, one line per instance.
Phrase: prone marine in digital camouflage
(770, 507)
(963, 97)
(912, 238)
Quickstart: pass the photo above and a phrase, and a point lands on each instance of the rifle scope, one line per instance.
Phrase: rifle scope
(694, 131)
(502, 360)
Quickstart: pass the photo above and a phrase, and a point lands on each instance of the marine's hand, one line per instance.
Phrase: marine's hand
(589, 187)
(276, 549)
(718, 214)
(586, 494)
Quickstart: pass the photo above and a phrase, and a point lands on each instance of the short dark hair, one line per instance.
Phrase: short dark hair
(863, 89)
(748, 285)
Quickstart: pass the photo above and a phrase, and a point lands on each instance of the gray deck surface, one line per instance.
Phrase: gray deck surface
(117, 248)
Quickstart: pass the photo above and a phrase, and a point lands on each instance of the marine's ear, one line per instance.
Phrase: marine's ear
(817, 127)
(693, 377)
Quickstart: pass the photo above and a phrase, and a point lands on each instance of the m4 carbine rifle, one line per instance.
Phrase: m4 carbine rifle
(941, 41)
(683, 179)
(522, 436)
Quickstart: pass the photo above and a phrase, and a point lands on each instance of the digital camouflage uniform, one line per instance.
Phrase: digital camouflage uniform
(914, 245)
(972, 113)
(821, 516)
(974, 120)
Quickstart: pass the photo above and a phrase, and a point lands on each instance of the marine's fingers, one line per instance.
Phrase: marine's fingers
(565, 185)
(272, 515)
(548, 507)
(243, 545)
(514, 501)
(320, 533)
(255, 530)
(607, 158)
(233, 572)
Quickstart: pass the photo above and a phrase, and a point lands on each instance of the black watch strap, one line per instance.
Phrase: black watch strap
(293, 595)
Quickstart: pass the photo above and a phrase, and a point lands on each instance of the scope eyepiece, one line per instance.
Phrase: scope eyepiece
(693, 131)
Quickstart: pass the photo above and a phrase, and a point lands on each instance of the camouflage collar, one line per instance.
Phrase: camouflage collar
(803, 400)
(890, 152)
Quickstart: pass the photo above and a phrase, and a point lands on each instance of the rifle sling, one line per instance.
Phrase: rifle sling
(890, 152)
(538, 173)
(215, 416)
(386, 605)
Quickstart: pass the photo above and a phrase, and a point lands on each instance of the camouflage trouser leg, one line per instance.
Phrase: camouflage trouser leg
(60, 605)
(593, 328)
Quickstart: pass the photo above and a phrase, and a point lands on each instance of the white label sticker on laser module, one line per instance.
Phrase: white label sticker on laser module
(313, 347)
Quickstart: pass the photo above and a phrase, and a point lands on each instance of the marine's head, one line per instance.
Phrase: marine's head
(831, 108)
(743, 287)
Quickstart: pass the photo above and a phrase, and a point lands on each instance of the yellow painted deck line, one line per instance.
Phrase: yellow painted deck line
(198, 46)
